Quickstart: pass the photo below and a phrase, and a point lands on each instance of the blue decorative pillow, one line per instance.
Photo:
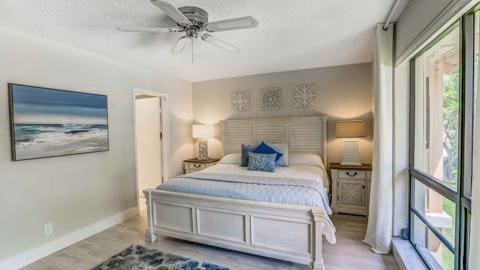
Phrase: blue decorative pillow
(263, 148)
(261, 162)
(283, 149)
(245, 149)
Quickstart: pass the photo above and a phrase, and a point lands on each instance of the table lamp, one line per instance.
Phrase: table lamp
(350, 129)
(203, 133)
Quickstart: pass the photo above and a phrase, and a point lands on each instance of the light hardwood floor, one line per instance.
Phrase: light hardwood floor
(349, 252)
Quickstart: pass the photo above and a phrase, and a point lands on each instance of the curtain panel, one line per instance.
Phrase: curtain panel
(380, 222)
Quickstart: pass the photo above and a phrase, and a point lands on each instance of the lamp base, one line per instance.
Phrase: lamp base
(350, 154)
(203, 149)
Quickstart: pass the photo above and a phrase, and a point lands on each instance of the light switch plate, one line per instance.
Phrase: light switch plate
(48, 229)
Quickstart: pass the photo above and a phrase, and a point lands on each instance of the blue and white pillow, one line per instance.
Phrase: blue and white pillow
(264, 148)
(261, 162)
(246, 148)
(283, 149)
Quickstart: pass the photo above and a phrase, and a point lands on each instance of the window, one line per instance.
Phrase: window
(436, 209)
(442, 136)
(437, 243)
(437, 112)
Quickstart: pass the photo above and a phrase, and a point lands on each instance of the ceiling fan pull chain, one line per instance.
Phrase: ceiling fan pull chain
(192, 50)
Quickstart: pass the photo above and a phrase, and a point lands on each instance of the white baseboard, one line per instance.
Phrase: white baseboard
(25, 258)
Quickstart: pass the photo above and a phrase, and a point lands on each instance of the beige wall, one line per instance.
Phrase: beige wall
(475, 219)
(76, 191)
(343, 92)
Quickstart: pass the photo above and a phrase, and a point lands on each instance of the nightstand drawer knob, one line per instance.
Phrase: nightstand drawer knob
(363, 187)
(197, 165)
(352, 174)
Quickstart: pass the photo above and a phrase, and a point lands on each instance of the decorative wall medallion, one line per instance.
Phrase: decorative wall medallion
(271, 99)
(303, 96)
(241, 101)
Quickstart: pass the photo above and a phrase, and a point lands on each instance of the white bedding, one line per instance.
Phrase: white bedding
(313, 173)
(297, 184)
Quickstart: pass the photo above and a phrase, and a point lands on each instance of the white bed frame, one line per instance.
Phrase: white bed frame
(282, 231)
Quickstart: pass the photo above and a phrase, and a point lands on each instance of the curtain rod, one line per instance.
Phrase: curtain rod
(390, 14)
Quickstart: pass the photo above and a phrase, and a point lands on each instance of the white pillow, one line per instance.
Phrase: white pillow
(305, 159)
(282, 148)
(231, 159)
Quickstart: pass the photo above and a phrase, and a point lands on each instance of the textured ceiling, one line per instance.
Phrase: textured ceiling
(291, 34)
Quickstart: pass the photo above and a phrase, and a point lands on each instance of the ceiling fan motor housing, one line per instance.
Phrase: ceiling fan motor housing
(196, 15)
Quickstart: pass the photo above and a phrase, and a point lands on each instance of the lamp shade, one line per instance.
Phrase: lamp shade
(203, 131)
(351, 129)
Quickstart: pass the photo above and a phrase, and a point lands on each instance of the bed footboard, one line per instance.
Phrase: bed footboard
(286, 232)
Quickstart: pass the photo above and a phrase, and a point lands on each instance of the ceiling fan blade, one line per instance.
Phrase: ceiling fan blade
(172, 12)
(222, 44)
(148, 29)
(232, 24)
(180, 45)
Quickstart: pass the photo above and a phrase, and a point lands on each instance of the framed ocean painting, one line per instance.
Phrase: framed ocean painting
(48, 122)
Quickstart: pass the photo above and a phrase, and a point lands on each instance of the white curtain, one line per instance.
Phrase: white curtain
(380, 220)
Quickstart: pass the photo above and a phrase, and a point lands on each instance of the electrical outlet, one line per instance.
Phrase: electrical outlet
(48, 229)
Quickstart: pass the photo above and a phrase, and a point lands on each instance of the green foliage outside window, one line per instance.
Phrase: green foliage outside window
(451, 110)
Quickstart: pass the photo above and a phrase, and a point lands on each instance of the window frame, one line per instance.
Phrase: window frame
(460, 196)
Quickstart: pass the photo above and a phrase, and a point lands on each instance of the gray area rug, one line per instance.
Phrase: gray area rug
(137, 257)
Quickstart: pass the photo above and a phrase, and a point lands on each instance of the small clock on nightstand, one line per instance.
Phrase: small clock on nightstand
(195, 164)
(350, 188)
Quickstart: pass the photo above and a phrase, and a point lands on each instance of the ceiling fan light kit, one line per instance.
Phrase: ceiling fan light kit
(193, 22)
(180, 45)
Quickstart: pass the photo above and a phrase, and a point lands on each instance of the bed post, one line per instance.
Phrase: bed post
(325, 140)
(150, 235)
(317, 263)
(321, 225)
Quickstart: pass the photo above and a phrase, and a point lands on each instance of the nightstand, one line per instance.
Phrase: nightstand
(195, 164)
(350, 188)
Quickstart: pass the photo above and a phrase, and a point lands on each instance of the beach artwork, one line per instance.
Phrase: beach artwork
(49, 123)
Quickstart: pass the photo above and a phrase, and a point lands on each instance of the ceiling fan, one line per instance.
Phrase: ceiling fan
(193, 22)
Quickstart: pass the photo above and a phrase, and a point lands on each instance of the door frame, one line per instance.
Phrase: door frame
(165, 127)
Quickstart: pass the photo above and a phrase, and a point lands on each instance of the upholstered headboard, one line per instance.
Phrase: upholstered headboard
(303, 134)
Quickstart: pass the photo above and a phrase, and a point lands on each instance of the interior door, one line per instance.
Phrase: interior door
(148, 143)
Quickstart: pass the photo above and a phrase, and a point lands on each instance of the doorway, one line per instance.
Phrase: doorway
(150, 111)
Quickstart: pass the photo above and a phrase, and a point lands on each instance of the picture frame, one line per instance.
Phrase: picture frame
(48, 122)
